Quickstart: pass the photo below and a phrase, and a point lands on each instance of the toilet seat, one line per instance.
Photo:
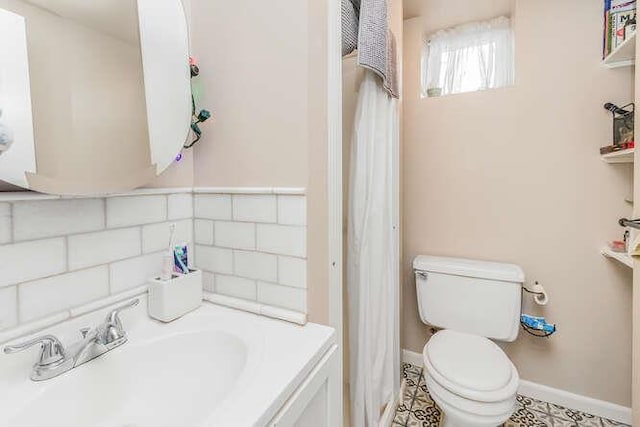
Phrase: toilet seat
(470, 366)
(470, 378)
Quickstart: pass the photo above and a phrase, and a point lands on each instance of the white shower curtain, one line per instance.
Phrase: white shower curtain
(372, 257)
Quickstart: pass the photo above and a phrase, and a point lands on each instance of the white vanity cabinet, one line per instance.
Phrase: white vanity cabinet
(316, 402)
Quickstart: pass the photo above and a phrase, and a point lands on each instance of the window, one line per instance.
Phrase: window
(469, 58)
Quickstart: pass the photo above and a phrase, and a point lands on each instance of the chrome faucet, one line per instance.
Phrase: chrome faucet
(55, 360)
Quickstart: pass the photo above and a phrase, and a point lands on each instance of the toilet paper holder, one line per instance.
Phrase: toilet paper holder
(540, 296)
(537, 326)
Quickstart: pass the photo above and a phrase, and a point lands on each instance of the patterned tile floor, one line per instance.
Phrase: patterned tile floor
(418, 409)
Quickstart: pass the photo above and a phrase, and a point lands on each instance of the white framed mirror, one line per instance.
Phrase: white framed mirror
(95, 96)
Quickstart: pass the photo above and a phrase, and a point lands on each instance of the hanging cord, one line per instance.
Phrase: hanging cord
(196, 118)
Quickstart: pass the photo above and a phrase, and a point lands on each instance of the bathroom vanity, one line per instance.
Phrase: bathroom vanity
(213, 367)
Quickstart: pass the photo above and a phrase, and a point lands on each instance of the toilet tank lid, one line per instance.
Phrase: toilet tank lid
(469, 268)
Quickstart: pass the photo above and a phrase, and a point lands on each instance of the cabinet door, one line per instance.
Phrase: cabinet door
(317, 402)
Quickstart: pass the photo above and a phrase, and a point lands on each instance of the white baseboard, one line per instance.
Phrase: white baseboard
(545, 393)
(567, 399)
(412, 358)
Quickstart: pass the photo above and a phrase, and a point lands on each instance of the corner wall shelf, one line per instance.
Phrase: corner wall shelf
(623, 156)
(622, 56)
(621, 257)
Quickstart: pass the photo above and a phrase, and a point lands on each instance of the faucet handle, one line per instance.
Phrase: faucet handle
(51, 351)
(112, 322)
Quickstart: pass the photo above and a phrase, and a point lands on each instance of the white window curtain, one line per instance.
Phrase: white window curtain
(471, 57)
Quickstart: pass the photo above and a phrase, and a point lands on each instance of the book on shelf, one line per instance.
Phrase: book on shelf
(617, 15)
(617, 147)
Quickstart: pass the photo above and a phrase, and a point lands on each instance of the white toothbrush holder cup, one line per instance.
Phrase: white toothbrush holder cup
(173, 298)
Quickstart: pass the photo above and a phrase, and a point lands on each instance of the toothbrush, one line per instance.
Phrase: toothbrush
(168, 259)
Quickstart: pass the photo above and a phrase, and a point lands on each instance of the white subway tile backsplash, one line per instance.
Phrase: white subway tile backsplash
(31, 327)
(5, 223)
(155, 237)
(236, 287)
(87, 250)
(236, 235)
(111, 300)
(203, 230)
(282, 296)
(292, 210)
(126, 211)
(213, 206)
(134, 272)
(61, 257)
(180, 206)
(44, 297)
(255, 208)
(21, 262)
(282, 239)
(8, 308)
(256, 265)
(216, 260)
(264, 239)
(292, 271)
(49, 218)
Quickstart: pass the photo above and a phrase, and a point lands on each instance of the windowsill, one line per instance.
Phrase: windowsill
(493, 89)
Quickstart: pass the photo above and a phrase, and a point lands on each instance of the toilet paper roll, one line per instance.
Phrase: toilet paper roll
(540, 295)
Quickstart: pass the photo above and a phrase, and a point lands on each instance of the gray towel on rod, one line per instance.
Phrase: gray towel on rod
(349, 28)
(375, 42)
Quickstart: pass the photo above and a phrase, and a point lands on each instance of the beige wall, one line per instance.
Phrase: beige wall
(264, 77)
(254, 61)
(514, 175)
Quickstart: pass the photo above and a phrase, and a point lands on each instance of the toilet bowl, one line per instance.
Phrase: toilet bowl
(474, 302)
(470, 378)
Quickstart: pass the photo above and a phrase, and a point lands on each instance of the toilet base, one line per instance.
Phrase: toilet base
(454, 418)
(449, 421)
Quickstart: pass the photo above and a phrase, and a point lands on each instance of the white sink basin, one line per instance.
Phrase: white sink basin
(128, 386)
(213, 367)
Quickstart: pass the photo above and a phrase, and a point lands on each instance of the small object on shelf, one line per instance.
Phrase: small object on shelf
(618, 246)
(171, 299)
(537, 326)
(630, 27)
(623, 122)
(607, 149)
(626, 238)
(619, 24)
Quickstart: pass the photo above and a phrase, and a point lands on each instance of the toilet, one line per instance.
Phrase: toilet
(473, 303)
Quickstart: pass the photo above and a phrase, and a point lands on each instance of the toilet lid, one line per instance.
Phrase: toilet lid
(469, 361)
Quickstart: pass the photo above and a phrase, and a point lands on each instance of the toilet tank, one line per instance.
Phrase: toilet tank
(476, 297)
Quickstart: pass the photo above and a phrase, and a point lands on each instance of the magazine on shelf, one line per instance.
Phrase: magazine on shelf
(616, 15)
